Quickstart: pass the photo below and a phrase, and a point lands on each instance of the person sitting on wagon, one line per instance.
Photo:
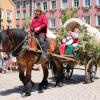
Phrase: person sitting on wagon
(72, 39)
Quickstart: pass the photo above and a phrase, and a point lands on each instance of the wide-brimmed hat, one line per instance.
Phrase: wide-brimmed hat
(38, 8)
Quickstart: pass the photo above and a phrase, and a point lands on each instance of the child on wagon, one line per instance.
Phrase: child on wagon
(72, 38)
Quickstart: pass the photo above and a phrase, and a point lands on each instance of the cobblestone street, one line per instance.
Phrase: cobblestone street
(74, 89)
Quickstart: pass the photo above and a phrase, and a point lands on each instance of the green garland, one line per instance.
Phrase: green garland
(87, 42)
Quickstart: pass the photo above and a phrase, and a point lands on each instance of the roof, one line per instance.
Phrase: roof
(12, 3)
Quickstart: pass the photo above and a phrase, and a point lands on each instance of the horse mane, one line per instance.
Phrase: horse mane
(12, 38)
(15, 35)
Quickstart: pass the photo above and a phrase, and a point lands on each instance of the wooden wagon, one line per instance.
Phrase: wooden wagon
(86, 58)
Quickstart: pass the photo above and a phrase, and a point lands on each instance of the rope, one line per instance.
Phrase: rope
(26, 37)
(39, 46)
(18, 46)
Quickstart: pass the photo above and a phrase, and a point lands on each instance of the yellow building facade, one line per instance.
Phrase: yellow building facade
(8, 14)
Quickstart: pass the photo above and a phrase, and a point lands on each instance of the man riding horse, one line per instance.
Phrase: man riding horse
(39, 27)
(12, 41)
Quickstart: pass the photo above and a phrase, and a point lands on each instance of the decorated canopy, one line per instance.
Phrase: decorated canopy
(76, 22)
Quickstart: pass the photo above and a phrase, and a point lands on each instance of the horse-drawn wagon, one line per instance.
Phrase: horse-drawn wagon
(13, 41)
(87, 57)
(89, 62)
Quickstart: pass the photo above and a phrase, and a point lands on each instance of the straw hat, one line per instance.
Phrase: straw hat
(38, 8)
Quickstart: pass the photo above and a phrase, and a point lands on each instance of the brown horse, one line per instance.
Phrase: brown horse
(12, 41)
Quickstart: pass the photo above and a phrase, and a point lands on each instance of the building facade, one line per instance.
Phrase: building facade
(25, 10)
(7, 14)
(87, 10)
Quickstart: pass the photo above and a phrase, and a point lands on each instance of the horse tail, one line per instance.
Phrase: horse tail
(56, 71)
(53, 67)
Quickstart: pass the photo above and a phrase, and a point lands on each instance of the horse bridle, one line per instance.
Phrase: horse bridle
(23, 50)
(12, 52)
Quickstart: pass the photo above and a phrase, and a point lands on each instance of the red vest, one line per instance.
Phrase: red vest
(75, 40)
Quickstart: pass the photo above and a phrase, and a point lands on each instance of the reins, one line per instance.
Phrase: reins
(26, 37)
(12, 51)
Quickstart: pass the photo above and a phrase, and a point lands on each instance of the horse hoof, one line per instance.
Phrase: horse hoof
(60, 84)
(45, 86)
(40, 91)
(86, 81)
(92, 81)
(33, 84)
(25, 94)
(23, 90)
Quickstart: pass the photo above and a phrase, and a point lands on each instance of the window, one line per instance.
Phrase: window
(38, 4)
(98, 2)
(17, 26)
(86, 2)
(24, 3)
(98, 20)
(52, 23)
(24, 14)
(30, 11)
(87, 19)
(18, 15)
(9, 15)
(30, 2)
(18, 4)
(64, 4)
(1, 14)
(53, 4)
(61, 22)
(75, 3)
(45, 7)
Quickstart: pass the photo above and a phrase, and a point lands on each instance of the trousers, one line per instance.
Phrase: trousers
(42, 40)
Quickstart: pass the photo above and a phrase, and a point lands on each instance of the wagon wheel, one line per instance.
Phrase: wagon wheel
(67, 71)
(91, 69)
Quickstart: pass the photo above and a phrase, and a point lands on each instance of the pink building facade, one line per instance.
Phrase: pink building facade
(24, 10)
(87, 10)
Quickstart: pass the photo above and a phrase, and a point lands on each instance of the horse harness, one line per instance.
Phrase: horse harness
(17, 51)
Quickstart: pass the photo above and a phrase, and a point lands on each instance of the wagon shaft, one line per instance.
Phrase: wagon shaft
(66, 58)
